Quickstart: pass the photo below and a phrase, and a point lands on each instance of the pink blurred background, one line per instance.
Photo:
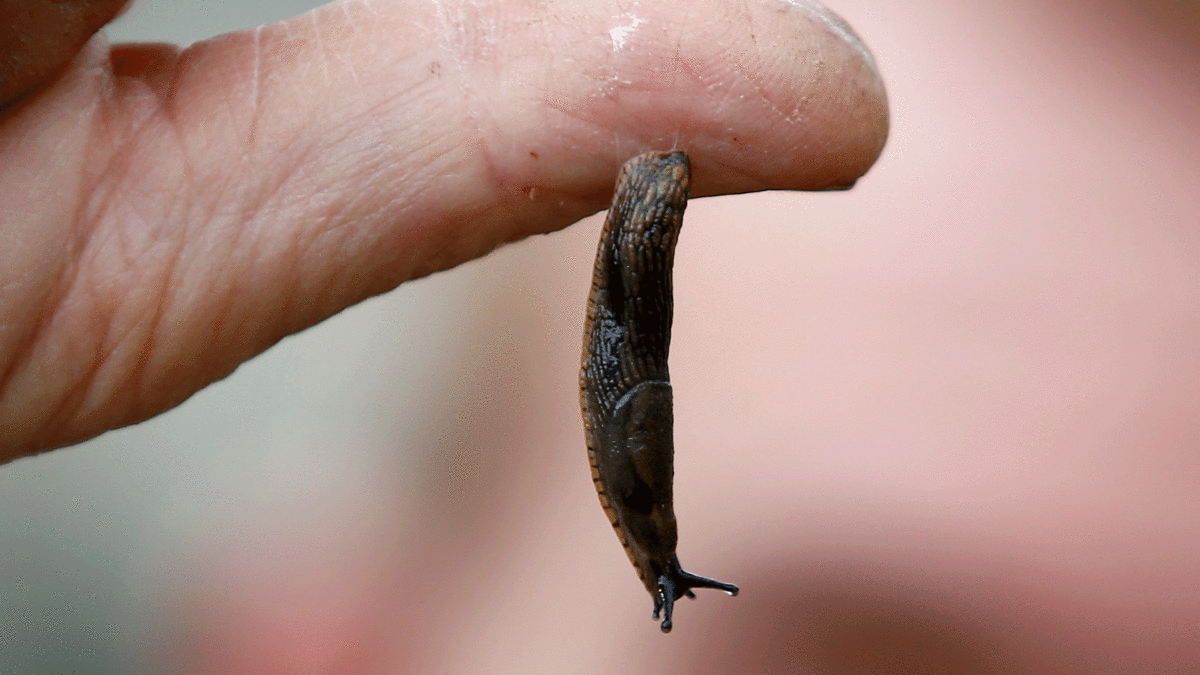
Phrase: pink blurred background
(948, 421)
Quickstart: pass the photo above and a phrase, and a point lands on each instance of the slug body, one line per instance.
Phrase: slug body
(625, 388)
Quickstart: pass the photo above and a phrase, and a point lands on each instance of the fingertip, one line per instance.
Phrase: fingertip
(781, 95)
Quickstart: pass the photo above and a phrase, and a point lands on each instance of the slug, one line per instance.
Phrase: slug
(624, 385)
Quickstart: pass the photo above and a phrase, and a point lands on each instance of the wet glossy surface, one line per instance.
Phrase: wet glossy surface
(625, 388)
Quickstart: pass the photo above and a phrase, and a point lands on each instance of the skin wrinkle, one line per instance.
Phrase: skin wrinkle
(460, 40)
(22, 349)
(747, 18)
(406, 191)
(444, 36)
(256, 75)
(149, 298)
(335, 225)
(258, 92)
(69, 287)
(353, 73)
(329, 227)
(793, 117)
(320, 226)
(76, 294)
(123, 332)
(223, 232)
(262, 202)
(68, 403)
(67, 294)
(94, 210)
(833, 24)
(320, 41)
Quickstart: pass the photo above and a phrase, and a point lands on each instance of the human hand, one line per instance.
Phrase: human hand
(171, 213)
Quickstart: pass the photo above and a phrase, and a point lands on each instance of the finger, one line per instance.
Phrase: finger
(257, 183)
(480, 123)
(40, 36)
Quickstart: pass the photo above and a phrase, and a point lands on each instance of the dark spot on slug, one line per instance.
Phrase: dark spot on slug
(625, 388)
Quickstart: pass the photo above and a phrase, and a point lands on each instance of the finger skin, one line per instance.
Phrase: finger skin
(205, 203)
(40, 37)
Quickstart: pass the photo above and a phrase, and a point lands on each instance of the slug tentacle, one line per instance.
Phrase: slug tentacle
(625, 388)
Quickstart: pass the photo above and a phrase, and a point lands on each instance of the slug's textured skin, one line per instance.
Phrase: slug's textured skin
(625, 388)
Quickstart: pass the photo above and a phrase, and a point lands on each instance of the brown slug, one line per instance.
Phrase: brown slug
(625, 388)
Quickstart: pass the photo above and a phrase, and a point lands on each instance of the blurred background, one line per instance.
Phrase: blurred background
(948, 421)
